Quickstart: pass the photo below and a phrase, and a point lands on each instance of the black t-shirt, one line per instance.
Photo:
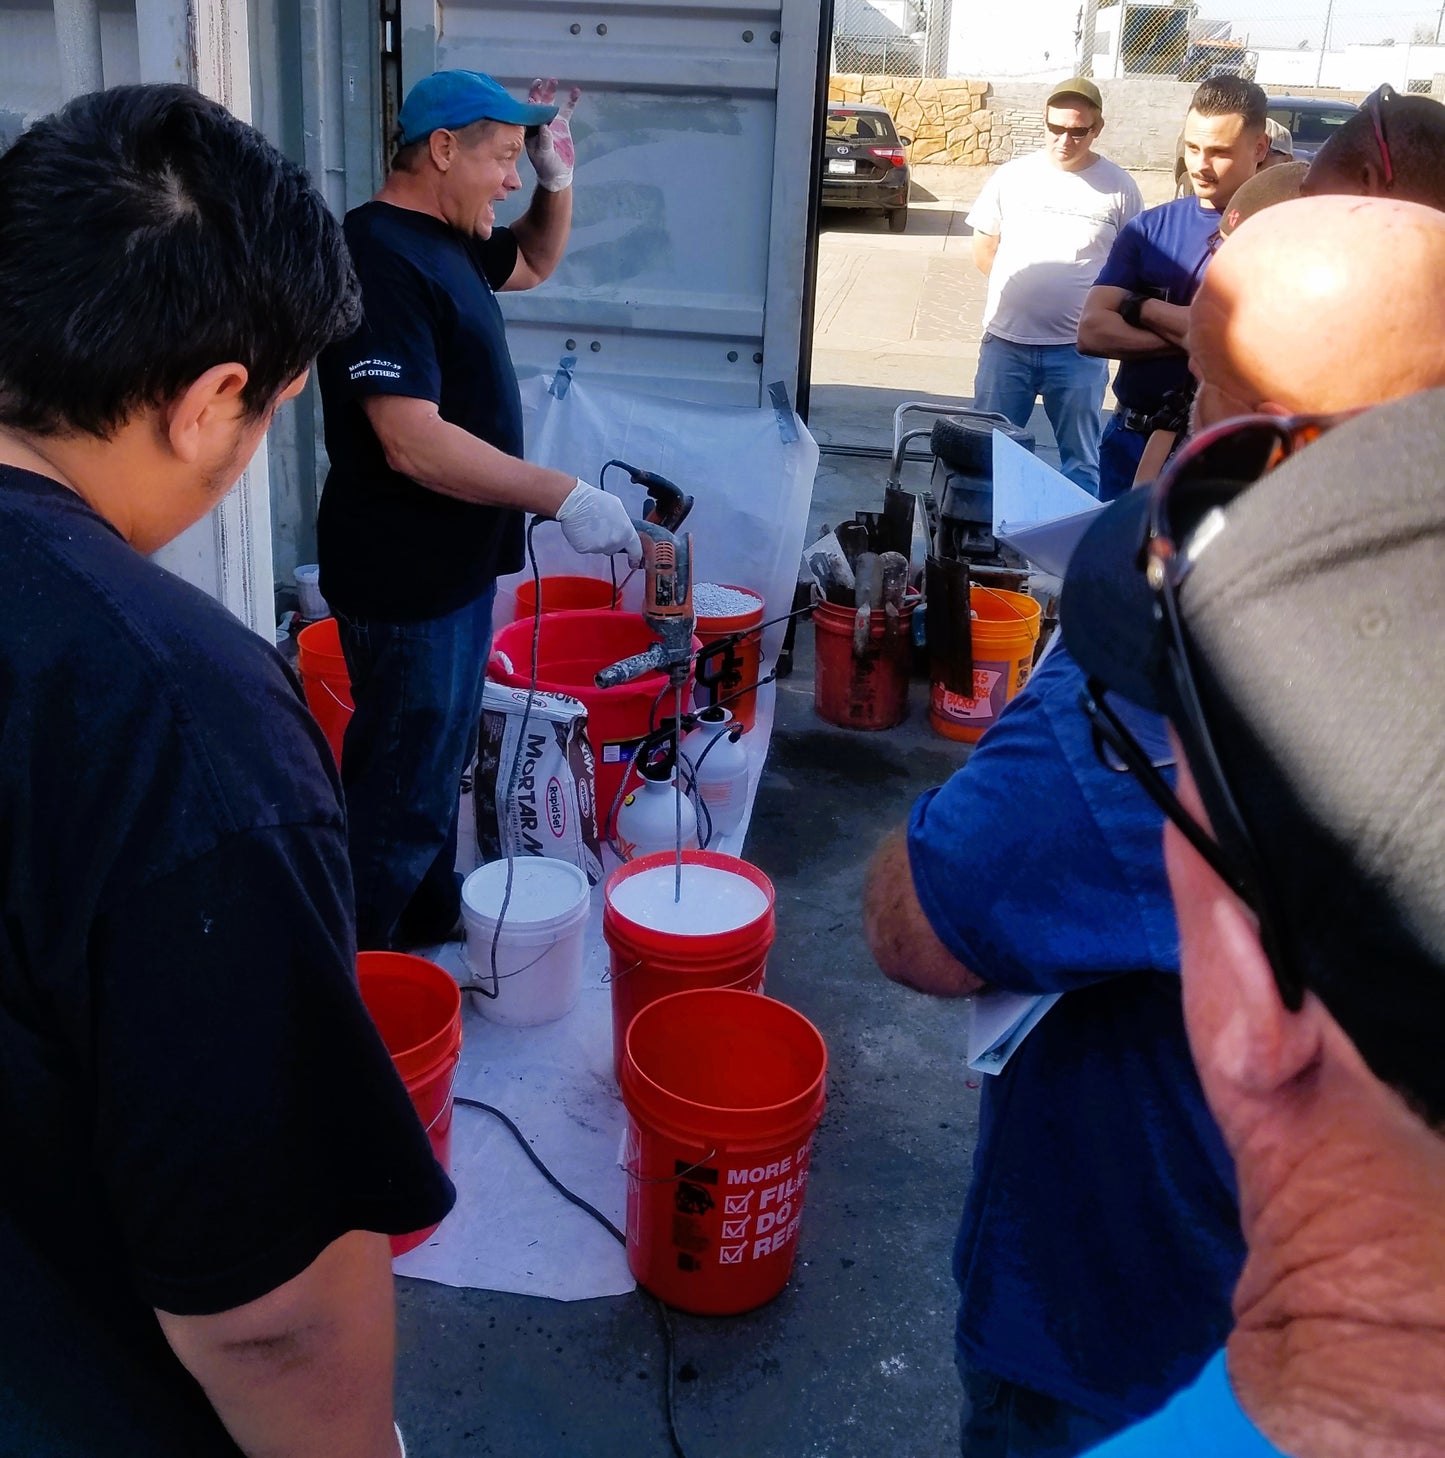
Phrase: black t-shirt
(193, 1101)
(431, 330)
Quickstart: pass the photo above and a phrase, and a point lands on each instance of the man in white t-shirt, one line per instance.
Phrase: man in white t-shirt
(1042, 228)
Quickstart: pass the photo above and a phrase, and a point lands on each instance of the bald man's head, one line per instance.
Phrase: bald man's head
(1321, 304)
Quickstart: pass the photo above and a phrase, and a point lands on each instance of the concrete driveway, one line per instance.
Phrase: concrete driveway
(902, 312)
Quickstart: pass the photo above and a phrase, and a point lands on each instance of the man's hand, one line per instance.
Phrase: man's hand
(550, 147)
(596, 521)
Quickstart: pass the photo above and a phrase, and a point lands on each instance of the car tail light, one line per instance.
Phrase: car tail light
(896, 155)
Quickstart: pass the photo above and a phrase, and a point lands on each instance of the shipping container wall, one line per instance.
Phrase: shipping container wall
(685, 272)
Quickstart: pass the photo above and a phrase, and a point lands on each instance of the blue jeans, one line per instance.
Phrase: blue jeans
(1009, 378)
(1119, 454)
(418, 694)
(1003, 1420)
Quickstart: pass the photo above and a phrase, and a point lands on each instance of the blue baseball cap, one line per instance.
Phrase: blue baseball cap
(453, 99)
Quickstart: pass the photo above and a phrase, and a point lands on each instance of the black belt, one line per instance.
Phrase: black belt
(1139, 421)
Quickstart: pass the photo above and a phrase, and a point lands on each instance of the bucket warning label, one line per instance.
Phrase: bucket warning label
(989, 683)
(619, 751)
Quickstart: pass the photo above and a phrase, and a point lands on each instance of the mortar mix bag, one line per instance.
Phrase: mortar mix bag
(553, 808)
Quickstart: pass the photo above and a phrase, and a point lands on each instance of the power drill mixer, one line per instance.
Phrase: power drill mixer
(667, 610)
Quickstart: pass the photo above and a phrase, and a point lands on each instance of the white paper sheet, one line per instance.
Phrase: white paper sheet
(998, 1022)
(1037, 510)
(510, 1231)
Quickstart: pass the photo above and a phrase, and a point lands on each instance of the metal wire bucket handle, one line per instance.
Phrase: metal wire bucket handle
(446, 1102)
(682, 1174)
(995, 592)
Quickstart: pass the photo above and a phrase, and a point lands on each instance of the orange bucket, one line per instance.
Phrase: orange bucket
(417, 1009)
(736, 664)
(562, 594)
(646, 964)
(325, 679)
(870, 692)
(723, 1091)
(1004, 631)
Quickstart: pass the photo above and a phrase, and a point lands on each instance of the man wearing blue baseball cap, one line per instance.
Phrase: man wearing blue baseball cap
(424, 502)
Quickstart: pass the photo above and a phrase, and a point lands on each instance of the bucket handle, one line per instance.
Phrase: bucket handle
(335, 697)
(994, 592)
(489, 987)
(609, 976)
(682, 1174)
(446, 1102)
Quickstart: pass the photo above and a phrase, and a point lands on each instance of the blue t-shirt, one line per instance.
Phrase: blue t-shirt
(432, 330)
(1163, 253)
(1203, 1421)
(1100, 1239)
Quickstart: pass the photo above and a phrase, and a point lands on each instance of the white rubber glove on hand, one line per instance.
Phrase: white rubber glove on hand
(595, 521)
(550, 147)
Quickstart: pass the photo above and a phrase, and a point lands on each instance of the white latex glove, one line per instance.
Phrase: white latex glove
(595, 521)
(550, 147)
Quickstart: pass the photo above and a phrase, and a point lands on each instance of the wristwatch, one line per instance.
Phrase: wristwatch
(1129, 309)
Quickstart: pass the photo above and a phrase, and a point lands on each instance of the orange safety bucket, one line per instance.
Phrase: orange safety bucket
(731, 661)
(646, 964)
(325, 679)
(417, 1009)
(870, 692)
(723, 1091)
(561, 594)
(1004, 630)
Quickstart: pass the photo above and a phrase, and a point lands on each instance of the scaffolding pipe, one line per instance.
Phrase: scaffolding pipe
(77, 40)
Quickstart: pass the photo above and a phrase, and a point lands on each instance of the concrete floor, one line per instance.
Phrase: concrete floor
(854, 1359)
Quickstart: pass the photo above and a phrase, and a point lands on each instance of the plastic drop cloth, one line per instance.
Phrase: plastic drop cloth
(510, 1231)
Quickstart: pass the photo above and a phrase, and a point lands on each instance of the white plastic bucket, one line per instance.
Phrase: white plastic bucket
(308, 591)
(539, 952)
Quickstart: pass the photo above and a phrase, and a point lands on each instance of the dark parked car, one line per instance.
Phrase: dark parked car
(864, 163)
(1310, 120)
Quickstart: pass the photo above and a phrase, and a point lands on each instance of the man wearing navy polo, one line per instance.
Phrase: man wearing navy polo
(1138, 310)
(423, 506)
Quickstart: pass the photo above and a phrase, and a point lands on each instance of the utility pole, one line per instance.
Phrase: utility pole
(1325, 43)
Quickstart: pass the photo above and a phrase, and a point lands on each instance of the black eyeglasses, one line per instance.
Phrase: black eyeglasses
(1374, 107)
(1185, 513)
(1074, 134)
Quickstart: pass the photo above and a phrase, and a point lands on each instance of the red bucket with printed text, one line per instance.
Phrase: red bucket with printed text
(723, 1092)
(1005, 628)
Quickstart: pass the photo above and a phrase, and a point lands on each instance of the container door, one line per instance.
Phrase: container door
(686, 270)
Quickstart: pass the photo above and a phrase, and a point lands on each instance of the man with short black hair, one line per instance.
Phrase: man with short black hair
(423, 506)
(1393, 147)
(1306, 854)
(1042, 228)
(1138, 311)
(205, 1142)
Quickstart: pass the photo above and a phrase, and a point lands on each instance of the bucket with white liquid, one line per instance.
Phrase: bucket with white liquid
(718, 935)
(540, 948)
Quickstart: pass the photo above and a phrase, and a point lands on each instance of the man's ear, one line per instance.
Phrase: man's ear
(1258, 1044)
(210, 403)
(441, 144)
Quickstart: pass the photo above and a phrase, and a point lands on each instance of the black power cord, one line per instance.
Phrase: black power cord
(669, 1342)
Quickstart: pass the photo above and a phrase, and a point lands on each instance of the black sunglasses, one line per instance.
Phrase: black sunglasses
(1074, 134)
(1374, 107)
(1184, 514)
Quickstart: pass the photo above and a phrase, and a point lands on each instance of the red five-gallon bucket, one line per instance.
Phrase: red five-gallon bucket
(417, 1009)
(723, 1091)
(326, 680)
(648, 961)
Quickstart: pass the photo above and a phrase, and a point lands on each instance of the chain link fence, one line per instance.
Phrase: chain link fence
(891, 37)
(1338, 46)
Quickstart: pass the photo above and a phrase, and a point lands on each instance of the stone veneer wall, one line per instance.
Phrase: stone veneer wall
(974, 122)
(949, 121)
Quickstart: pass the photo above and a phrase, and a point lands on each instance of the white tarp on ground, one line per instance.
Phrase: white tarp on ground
(511, 1231)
